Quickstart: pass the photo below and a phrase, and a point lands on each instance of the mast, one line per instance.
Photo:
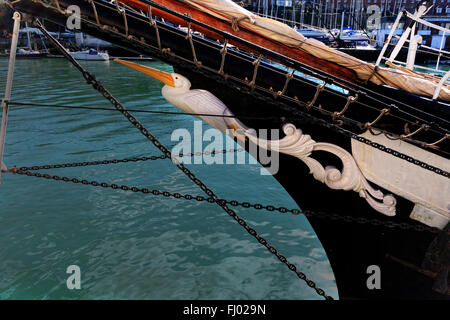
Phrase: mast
(351, 12)
(331, 20)
(293, 13)
(320, 15)
(336, 16)
(360, 17)
(302, 14)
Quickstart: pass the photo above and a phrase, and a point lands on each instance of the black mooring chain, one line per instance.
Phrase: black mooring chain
(116, 161)
(258, 206)
(90, 79)
(401, 155)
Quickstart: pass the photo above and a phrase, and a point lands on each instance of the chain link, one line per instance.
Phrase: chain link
(401, 155)
(116, 161)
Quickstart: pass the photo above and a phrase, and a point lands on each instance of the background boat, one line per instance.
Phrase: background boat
(90, 55)
(26, 53)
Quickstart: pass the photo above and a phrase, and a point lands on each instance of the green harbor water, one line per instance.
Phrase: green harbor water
(127, 245)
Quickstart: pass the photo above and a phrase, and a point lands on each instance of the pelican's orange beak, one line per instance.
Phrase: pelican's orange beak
(164, 77)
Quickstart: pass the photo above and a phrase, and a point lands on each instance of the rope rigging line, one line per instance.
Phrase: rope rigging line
(105, 93)
(15, 103)
(236, 116)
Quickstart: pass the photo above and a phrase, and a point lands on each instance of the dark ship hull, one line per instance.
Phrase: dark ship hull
(404, 256)
(351, 247)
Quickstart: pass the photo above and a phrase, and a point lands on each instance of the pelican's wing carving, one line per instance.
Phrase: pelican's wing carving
(296, 144)
(302, 146)
(204, 102)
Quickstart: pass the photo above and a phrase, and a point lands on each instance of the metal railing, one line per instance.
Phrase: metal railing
(409, 36)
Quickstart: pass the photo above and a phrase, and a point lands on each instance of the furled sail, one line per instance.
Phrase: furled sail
(239, 17)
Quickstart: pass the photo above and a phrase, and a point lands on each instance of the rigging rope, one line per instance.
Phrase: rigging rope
(15, 103)
(283, 119)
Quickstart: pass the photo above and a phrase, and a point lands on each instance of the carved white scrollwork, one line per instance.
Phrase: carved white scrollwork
(302, 146)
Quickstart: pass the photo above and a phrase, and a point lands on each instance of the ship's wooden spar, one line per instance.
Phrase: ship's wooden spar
(244, 33)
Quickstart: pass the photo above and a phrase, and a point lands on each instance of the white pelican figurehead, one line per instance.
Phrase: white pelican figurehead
(201, 102)
(177, 91)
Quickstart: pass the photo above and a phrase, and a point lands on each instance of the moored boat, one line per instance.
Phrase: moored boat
(90, 55)
(30, 54)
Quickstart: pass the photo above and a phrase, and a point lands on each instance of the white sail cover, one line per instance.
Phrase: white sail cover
(230, 11)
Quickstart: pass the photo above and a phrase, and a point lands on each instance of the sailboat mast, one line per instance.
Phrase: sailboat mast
(336, 16)
(28, 36)
(302, 14)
